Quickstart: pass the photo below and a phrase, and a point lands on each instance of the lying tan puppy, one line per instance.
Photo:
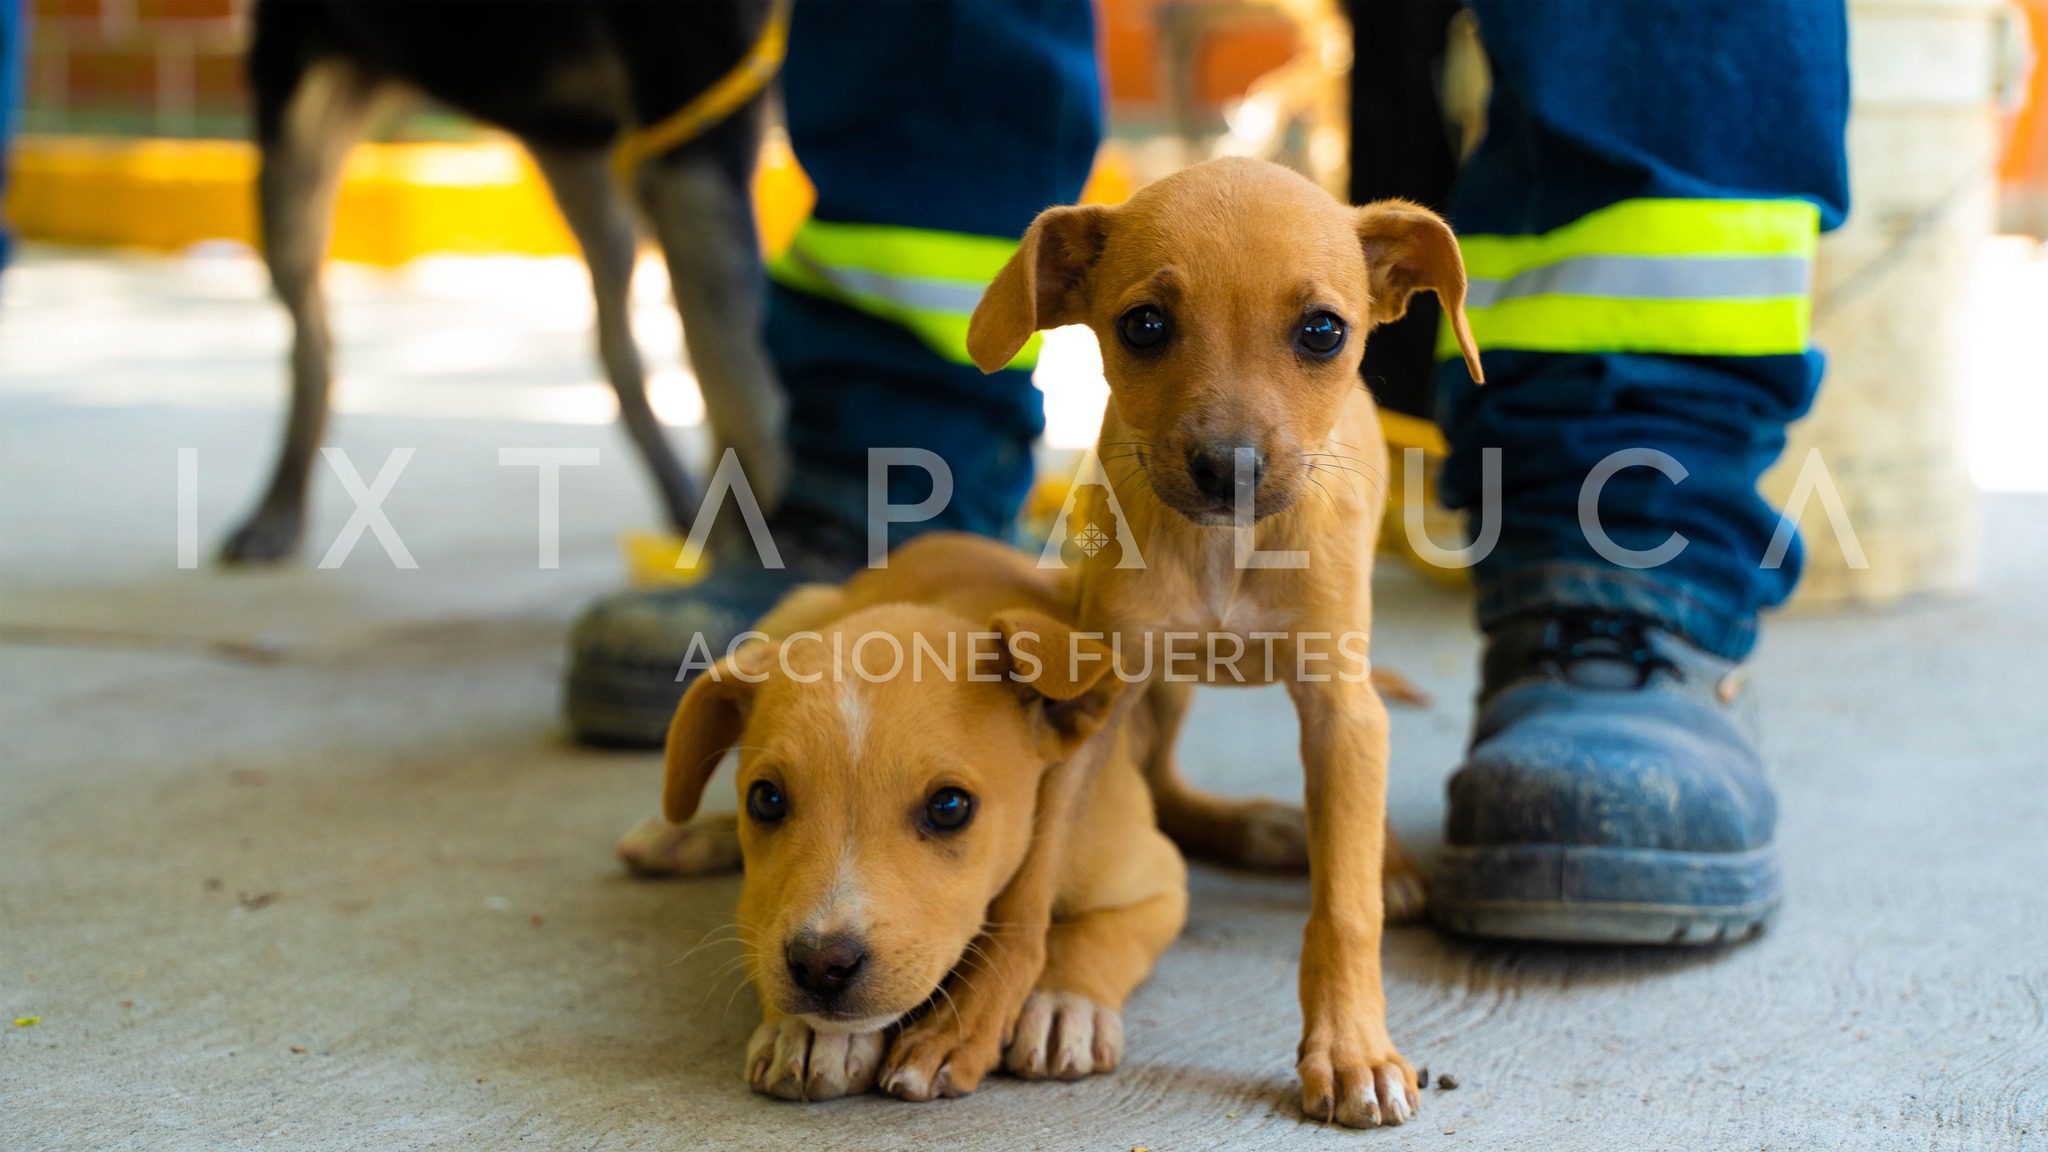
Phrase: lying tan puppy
(893, 742)
(1232, 301)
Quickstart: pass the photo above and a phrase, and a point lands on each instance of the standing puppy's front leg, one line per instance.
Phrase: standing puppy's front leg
(1350, 1072)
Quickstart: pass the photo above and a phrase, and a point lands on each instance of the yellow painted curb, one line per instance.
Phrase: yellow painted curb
(398, 201)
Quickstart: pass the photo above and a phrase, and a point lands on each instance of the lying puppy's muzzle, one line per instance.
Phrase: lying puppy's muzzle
(826, 971)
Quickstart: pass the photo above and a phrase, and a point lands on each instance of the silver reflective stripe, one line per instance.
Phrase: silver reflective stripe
(918, 293)
(1652, 278)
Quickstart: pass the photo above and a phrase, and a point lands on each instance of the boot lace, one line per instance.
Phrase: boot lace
(1576, 636)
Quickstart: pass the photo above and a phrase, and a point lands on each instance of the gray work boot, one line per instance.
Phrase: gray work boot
(1613, 794)
(628, 649)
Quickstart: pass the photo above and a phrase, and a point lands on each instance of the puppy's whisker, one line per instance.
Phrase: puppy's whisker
(719, 934)
(738, 987)
(1316, 466)
(1366, 480)
(953, 1004)
(1340, 460)
(679, 961)
(1143, 460)
(749, 957)
(719, 977)
(1346, 457)
(1374, 472)
(717, 937)
(1318, 482)
(740, 975)
(976, 958)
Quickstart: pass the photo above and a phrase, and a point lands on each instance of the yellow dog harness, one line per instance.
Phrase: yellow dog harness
(727, 95)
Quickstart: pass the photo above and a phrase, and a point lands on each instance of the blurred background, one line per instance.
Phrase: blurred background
(131, 197)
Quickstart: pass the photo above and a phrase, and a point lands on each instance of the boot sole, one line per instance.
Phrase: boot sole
(1587, 895)
(620, 706)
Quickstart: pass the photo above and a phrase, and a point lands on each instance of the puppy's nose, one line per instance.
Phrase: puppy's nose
(824, 965)
(1213, 467)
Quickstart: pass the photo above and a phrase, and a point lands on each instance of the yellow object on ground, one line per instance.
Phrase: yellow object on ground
(1444, 526)
(651, 559)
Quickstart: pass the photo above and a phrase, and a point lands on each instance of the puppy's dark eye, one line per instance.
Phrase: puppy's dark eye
(1144, 328)
(1322, 334)
(948, 810)
(766, 803)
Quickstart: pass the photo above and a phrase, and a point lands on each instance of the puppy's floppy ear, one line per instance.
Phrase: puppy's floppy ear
(707, 723)
(1043, 285)
(1066, 673)
(1409, 249)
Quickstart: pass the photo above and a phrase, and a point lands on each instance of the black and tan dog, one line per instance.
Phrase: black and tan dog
(570, 81)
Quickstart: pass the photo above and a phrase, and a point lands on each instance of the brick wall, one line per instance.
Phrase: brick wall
(159, 67)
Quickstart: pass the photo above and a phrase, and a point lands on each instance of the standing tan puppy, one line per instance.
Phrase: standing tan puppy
(1232, 301)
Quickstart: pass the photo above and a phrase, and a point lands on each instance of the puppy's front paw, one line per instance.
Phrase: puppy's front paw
(788, 1060)
(939, 1055)
(1356, 1084)
(1064, 1036)
(706, 845)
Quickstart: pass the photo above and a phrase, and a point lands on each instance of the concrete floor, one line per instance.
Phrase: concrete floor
(302, 858)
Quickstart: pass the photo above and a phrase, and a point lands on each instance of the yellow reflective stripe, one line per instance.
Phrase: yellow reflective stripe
(1654, 228)
(1771, 326)
(1675, 277)
(924, 280)
(906, 251)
